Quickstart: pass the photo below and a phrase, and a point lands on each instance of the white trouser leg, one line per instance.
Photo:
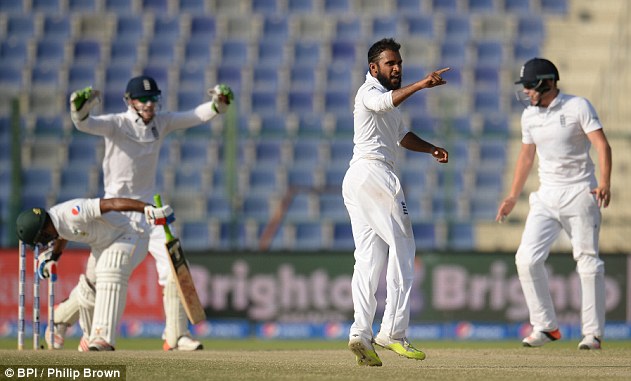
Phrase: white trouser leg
(113, 268)
(540, 232)
(381, 229)
(584, 229)
(176, 321)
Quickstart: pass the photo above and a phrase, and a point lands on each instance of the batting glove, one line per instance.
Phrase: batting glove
(221, 96)
(159, 216)
(47, 264)
(82, 101)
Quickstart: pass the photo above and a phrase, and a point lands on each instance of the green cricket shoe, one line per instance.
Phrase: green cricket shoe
(401, 347)
(364, 351)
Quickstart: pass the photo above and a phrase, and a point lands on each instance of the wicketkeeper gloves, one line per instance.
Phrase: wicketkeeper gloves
(159, 216)
(82, 101)
(221, 96)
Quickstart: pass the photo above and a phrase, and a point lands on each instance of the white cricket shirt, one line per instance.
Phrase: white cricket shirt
(378, 124)
(560, 134)
(132, 148)
(80, 220)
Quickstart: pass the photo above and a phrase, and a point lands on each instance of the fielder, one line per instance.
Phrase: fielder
(132, 147)
(560, 128)
(372, 192)
(117, 245)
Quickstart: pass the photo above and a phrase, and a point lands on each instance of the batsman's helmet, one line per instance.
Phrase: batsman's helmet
(29, 225)
(142, 86)
(537, 69)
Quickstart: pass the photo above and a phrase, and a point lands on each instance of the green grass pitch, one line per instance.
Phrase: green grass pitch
(264, 360)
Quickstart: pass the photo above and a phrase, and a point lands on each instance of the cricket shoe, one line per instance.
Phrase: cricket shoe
(539, 338)
(401, 347)
(83, 345)
(364, 351)
(99, 345)
(589, 342)
(184, 343)
(59, 335)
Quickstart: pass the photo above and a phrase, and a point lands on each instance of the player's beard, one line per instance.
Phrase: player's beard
(147, 113)
(388, 82)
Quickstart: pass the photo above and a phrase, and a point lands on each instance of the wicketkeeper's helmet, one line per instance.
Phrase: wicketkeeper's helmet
(142, 86)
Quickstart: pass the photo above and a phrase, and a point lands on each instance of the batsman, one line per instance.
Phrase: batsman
(133, 139)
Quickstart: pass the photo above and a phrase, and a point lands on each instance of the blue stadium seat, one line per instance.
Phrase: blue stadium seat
(112, 101)
(332, 207)
(265, 78)
(273, 126)
(490, 182)
(13, 52)
(487, 101)
(300, 6)
(518, 6)
(256, 207)
(188, 179)
(82, 150)
(445, 6)
(21, 27)
(231, 236)
(159, 7)
(46, 6)
(270, 53)
(87, 52)
(307, 53)
(269, 153)
(263, 101)
(301, 101)
(12, 7)
(338, 101)
(557, 7)
(385, 27)
(486, 78)
(129, 26)
(160, 73)
(192, 7)
(82, 6)
(50, 52)
(230, 75)
(123, 52)
(344, 126)
(234, 52)
(454, 53)
(45, 77)
(457, 28)
(452, 181)
(483, 206)
(309, 236)
(198, 51)
(343, 236)
(493, 154)
(490, 53)
(165, 28)
(299, 209)
(531, 27)
(119, 7)
(161, 52)
(496, 126)
(424, 125)
(301, 177)
(74, 183)
(460, 126)
(80, 76)
(116, 78)
(334, 176)
(37, 181)
(408, 7)
(419, 25)
(52, 126)
(195, 235)
(413, 181)
(194, 154)
(341, 153)
(481, 6)
(337, 7)
(275, 28)
(306, 154)
(192, 78)
(343, 51)
(188, 100)
(302, 78)
(310, 126)
(425, 235)
(339, 78)
(56, 26)
(203, 26)
(460, 236)
(524, 49)
(218, 207)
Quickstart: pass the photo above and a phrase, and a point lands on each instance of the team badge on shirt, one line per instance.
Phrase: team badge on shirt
(562, 120)
(76, 210)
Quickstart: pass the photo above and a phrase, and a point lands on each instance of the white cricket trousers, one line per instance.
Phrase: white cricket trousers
(382, 232)
(575, 210)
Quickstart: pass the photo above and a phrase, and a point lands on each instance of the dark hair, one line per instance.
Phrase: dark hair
(380, 46)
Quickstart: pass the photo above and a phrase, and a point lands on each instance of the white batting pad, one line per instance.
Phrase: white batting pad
(176, 323)
(85, 297)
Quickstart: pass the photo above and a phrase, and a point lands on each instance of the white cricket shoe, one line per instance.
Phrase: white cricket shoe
(184, 343)
(402, 347)
(99, 345)
(590, 342)
(539, 338)
(59, 330)
(364, 351)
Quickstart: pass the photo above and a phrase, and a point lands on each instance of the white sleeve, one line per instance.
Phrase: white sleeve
(191, 118)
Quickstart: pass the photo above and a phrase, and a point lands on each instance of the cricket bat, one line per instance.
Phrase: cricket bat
(182, 274)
